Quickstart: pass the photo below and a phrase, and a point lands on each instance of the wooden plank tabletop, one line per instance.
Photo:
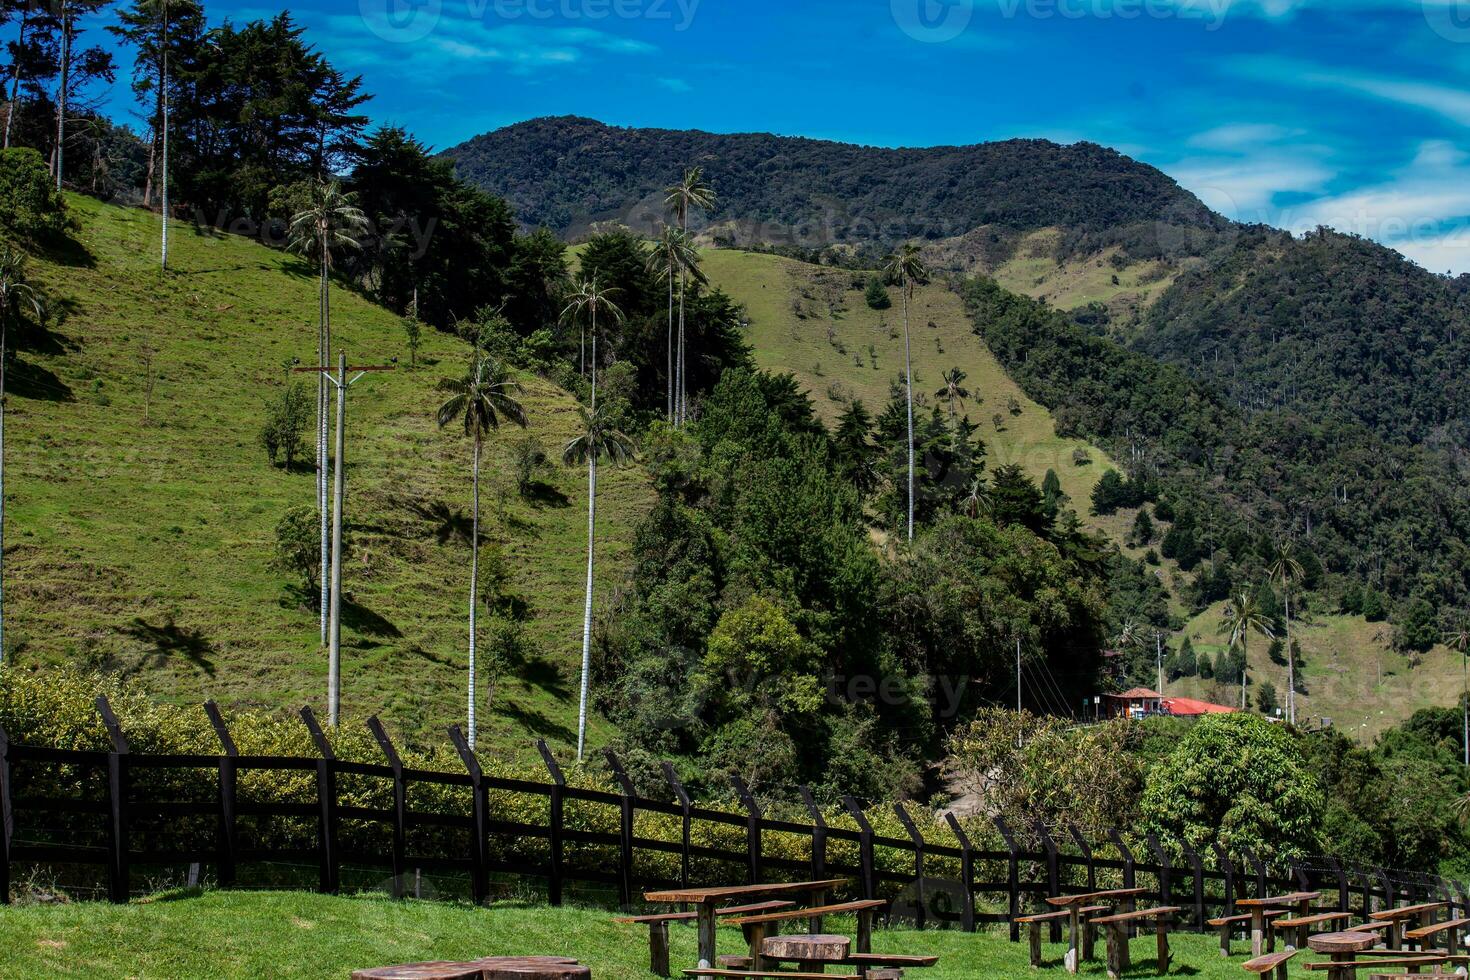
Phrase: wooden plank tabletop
(702, 895)
(1062, 901)
(1407, 911)
(1294, 898)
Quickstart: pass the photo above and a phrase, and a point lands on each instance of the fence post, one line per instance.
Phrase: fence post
(753, 816)
(7, 819)
(625, 829)
(326, 792)
(117, 789)
(1086, 850)
(479, 856)
(227, 833)
(967, 872)
(1342, 883)
(1013, 878)
(1260, 869)
(558, 791)
(1166, 868)
(920, 897)
(865, 848)
(1053, 874)
(682, 796)
(400, 805)
(1197, 867)
(1130, 874)
(1227, 868)
(819, 835)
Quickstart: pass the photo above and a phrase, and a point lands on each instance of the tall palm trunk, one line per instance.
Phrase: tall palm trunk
(908, 368)
(669, 375)
(3, 340)
(594, 357)
(681, 399)
(587, 611)
(1290, 665)
(163, 100)
(324, 342)
(25, 13)
(474, 588)
(1245, 663)
(61, 94)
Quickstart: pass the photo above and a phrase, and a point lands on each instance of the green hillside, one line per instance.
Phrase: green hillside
(813, 321)
(146, 546)
(1349, 671)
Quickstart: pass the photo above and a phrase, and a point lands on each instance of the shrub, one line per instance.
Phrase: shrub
(1240, 778)
(30, 205)
(877, 294)
(286, 417)
(299, 546)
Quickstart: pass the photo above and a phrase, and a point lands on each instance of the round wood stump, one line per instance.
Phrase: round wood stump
(807, 949)
(438, 970)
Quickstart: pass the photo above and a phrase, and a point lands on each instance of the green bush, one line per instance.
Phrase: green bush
(30, 206)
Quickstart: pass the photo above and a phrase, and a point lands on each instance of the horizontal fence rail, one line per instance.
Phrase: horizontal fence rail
(128, 816)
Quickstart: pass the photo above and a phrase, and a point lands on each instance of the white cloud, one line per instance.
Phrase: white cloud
(1447, 101)
(1242, 167)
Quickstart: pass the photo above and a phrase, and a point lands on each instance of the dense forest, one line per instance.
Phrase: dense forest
(1331, 327)
(565, 173)
(1381, 518)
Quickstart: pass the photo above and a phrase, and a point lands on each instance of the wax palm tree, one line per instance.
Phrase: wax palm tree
(330, 223)
(586, 301)
(673, 256)
(478, 401)
(16, 295)
(978, 500)
(953, 391)
(1285, 570)
(907, 269)
(1243, 616)
(599, 440)
(1459, 639)
(691, 192)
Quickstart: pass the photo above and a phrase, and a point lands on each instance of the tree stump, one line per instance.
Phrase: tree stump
(490, 968)
(810, 953)
(438, 970)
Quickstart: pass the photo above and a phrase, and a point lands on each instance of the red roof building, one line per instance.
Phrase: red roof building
(1143, 702)
(1190, 708)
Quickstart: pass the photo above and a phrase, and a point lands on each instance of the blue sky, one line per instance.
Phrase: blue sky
(1353, 113)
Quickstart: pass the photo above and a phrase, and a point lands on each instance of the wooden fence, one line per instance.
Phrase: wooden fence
(955, 883)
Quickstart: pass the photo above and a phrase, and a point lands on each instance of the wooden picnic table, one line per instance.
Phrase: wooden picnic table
(1340, 947)
(1075, 903)
(1399, 919)
(1300, 901)
(708, 900)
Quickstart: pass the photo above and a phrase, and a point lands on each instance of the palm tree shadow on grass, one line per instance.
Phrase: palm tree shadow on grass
(535, 722)
(545, 495)
(167, 641)
(539, 672)
(363, 621)
(446, 524)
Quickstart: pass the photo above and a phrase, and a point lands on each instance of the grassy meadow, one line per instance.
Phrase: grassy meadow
(143, 510)
(301, 935)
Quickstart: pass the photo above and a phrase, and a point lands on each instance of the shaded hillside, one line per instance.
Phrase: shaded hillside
(142, 529)
(1332, 327)
(567, 172)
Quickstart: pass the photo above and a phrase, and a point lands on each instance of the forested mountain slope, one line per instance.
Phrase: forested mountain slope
(567, 172)
(1330, 327)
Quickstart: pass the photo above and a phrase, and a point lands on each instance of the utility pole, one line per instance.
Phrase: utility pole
(339, 494)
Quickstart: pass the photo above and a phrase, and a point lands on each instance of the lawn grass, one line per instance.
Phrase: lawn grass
(302, 935)
(1349, 669)
(147, 548)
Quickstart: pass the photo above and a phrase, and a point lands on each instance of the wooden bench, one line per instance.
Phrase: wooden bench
(493, 968)
(1033, 924)
(658, 929)
(1118, 925)
(1226, 925)
(1349, 968)
(1302, 924)
(756, 926)
(1269, 962)
(1450, 928)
